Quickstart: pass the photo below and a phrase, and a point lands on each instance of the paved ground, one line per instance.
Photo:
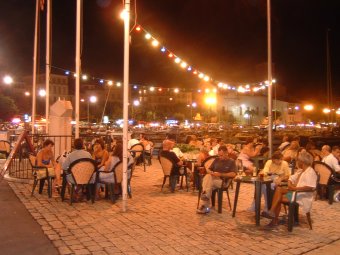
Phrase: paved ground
(166, 223)
(20, 234)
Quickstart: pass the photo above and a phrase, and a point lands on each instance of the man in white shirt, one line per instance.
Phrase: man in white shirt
(132, 141)
(333, 159)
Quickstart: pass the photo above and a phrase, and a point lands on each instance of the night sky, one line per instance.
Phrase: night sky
(224, 38)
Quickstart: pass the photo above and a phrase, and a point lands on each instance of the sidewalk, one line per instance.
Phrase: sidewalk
(166, 223)
(19, 233)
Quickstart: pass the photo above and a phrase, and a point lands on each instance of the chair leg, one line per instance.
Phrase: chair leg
(291, 217)
(112, 195)
(330, 194)
(49, 187)
(228, 199)
(213, 197)
(34, 185)
(71, 194)
(164, 180)
(187, 182)
(309, 220)
(41, 185)
(129, 189)
(219, 201)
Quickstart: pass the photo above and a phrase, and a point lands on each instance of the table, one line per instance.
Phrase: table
(192, 163)
(258, 183)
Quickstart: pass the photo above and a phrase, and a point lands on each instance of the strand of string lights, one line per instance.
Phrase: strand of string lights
(243, 88)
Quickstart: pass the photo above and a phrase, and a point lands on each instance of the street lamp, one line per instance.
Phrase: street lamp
(91, 99)
(308, 107)
(8, 80)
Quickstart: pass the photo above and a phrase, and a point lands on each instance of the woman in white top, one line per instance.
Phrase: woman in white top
(303, 180)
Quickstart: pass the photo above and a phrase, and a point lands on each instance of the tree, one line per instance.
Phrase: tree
(8, 108)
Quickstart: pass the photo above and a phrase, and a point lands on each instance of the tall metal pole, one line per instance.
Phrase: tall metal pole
(270, 111)
(48, 61)
(126, 100)
(78, 63)
(34, 87)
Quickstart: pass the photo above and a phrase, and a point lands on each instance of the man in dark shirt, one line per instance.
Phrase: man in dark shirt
(223, 166)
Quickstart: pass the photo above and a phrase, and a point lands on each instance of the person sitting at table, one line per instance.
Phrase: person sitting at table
(214, 147)
(249, 151)
(332, 160)
(195, 142)
(311, 148)
(280, 171)
(303, 180)
(285, 143)
(325, 151)
(45, 158)
(223, 166)
(132, 141)
(167, 152)
(78, 153)
(148, 146)
(100, 154)
(291, 152)
(105, 174)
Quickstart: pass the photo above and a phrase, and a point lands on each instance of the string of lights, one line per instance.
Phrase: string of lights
(245, 87)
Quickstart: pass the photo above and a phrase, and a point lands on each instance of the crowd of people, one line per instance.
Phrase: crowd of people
(290, 163)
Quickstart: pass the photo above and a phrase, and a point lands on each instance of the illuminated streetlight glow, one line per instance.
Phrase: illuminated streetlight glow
(210, 100)
(136, 103)
(7, 80)
(118, 84)
(326, 110)
(147, 36)
(184, 65)
(27, 93)
(155, 43)
(42, 92)
(176, 90)
(84, 77)
(124, 15)
(110, 83)
(308, 107)
(152, 89)
(82, 100)
(177, 60)
(194, 104)
(93, 99)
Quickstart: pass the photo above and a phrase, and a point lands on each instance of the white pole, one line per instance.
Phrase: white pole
(34, 87)
(48, 61)
(270, 112)
(78, 64)
(107, 98)
(126, 101)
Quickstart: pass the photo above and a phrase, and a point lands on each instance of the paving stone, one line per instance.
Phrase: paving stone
(166, 223)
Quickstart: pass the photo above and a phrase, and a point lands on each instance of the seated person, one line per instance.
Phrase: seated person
(148, 147)
(132, 141)
(78, 153)
(45, 158)
(195, 142)
(303, 180)
(280, 171)
(105, 174)
(214, 147)
(285, 143)
(100, 154)
(311, 148)
(291, 152)
(325, 151)
(249, 151)
(167, 152)
(222, 166)
(333, 160)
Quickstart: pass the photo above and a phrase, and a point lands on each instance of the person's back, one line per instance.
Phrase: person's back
(78, 153)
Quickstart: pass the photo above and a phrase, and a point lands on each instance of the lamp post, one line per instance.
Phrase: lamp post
(135, 103)
(91, 99)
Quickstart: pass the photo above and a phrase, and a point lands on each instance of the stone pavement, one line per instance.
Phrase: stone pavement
(166, 223)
